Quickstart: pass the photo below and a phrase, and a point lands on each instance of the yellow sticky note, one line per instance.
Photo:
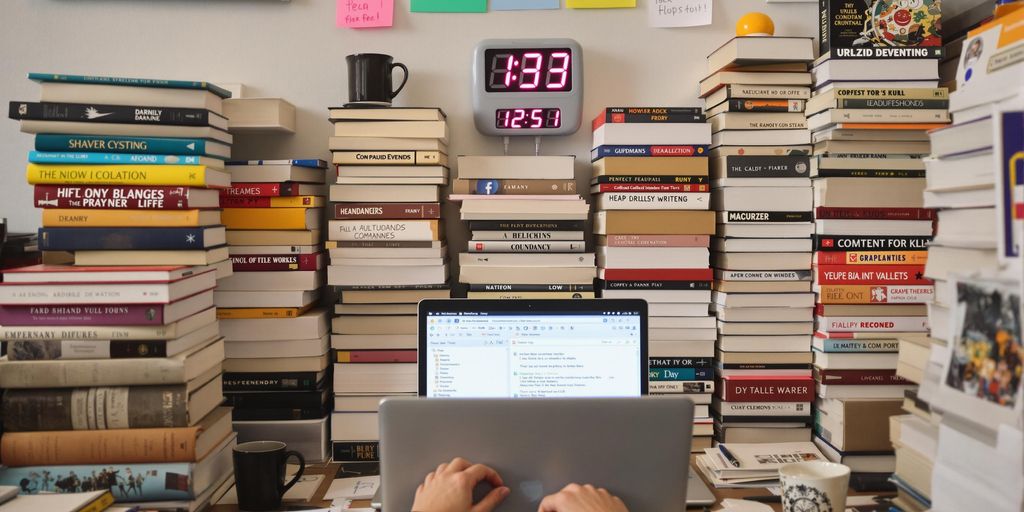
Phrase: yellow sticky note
(600, 4)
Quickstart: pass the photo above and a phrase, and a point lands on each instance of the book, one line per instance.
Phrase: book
(626, 166)
(385, 194)
(643, 150)
(353, 113)
(654, 222)
(516, 167)
(753, 91)
(384, 230)
(130, 198)
(615, 134)
(99, 239)
(766, 389)
(159, 292)
(95, 113)
(875, 294)
(352, 275)
(163, 175)
(273, 237)
(127, 83)
(389, 158)
(867, 29)
(93, 501)
(281, 189)
(407, 129)
(747, 51)
(648, 115)
(758, 121)
(273, 381)
(215, 256)
(67, 157)
(374, 378)
(719, 79)
(513, 187)
(277, 262)
(272, 218)
(308, 171)
(302, 399)
(125, 129)
(54, 349)
(133, 145)
(879, 97)
(740, 105)
(873, 274)
(43, 316)
(59, 217)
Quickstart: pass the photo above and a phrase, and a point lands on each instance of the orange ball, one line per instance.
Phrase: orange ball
(755, 24)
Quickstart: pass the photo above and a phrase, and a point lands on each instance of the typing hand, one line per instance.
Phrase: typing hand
(582, 498)
(450, 488)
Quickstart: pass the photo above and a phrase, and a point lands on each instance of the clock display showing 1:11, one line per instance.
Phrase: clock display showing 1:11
(529, 70)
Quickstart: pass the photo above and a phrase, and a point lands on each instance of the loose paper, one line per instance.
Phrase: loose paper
(448, 6)
(358, 488)
(599, 4)
(524, 5)
(303, 490)
(678, 13)
(364, 13)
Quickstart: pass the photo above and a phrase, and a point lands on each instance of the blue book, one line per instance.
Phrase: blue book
(673, 374)
(133, 82)
(312, 163)
(643, 150)
(41, 157)
(149, 239)
(138, 145)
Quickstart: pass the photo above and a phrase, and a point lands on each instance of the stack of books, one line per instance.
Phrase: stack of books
(915, 434)
(112, 378)
(754, 96)
(526, 225)
(277, 343)
(874, 103)
(752, 465)
(653, 224)
(387, 252)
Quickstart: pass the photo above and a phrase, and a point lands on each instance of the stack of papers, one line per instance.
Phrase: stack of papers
(739, 465)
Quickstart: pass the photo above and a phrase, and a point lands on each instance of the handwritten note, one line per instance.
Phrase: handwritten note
(364, 13)
(358, 488)
(524, 5)
(678, 13)
(599, 4)
(448, 6)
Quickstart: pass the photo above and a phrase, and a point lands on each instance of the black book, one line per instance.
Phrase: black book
(681, 362)
(280, 414)
(531, 287)
(650, 115)
(273, 399)
(123, 114)
(356, 451)
(629, 180)
(285, 381)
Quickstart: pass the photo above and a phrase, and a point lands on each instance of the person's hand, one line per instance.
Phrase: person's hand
(450, 488)
(582, 498)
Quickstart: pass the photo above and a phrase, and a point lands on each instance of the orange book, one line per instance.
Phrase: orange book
(60, 217)
(875, 294)
(272, 218)
(249, 313)
(655, 222)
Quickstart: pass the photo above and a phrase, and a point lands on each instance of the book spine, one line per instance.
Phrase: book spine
(531, 287)
(524, 225)
(313, 163)
(680, 374)
(655, 285)
(55, 217)
(380, 244)
(519, 247)
(74, 331)
(67, 174)
(759, 409)
(40, 350)
(527, 235)
(389, 157)
(682, 386)
(651, 151)
(95, 293)
(872, 258)
(869, 173)
(754, 123)
(796, 166)
(100, 408)
(77, 315)
(876, 294)
(277, 262)
(938, 93)
(765, 105)
(269, 202)
(285, 381)
(289, 219)
(651, 180)
(263, 400)
(40, 157)
(765, 275)
(659, 274)
(513, 187)
(768, 92)
(79, 112)
(283, 414)
(391, 230)
(649, 187)
(828, 212)
(764, 390)
(112, 197)
(648, 115)
(834, 326)
(870, 243)
(116, 144)
(356, 451)
(849, 345)
(891, 103)
(375, 356)
(377, 211)
(758, 217)
(255, 313)
(100, 239)
(530, 295)
(654, 201)
(874, 274)
(860, 377)
(657, 240)
(99, 447)
(134, 82)
(163, 481)
(241, 190)
(681, 362)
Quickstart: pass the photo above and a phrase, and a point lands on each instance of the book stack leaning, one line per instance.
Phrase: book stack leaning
(653, 227)
(875, 99)
(754, 97)
(113, 373)
(276, 376)
(387, 252)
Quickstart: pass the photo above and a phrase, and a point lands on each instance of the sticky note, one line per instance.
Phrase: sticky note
(524, 5)
(448, 6)
(364, 13)
(678, 13)
(599, 4)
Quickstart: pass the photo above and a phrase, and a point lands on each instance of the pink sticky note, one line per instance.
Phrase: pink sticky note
(365, 13)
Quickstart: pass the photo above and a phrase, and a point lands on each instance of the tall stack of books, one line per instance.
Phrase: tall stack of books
(112, 378)
(653, 225)
(277, 343)
(526, 225)
(387, 252)
(754, 96)
(875, 99)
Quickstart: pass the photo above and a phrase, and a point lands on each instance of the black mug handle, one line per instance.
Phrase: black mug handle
(302, 469)
(404, 79)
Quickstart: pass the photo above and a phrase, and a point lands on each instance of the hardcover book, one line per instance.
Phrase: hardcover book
(880, 29)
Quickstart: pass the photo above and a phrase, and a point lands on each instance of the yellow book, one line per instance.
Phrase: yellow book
(272, 202)
(160, 175)
(250, 313)
(60, 217)
(100, 504)
(272, 218)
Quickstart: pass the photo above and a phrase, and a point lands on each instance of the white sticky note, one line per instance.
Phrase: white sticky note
(357, 488)
(678, 13)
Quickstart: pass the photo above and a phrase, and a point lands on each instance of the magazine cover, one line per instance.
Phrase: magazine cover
(881, 28)
(982, 376)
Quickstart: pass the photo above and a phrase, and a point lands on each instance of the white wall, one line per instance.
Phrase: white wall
(292, 50)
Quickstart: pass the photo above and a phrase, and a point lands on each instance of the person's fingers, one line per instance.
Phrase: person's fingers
(492, 500)
(589, 487)
(429, 478)
(441, 467)
(618, 501)
(480, 472)
(549, 503)
(573, 487)
(419, 489)
(603, 492)
(458, 464)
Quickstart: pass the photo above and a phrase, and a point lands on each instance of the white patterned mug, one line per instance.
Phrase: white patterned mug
(814, 486)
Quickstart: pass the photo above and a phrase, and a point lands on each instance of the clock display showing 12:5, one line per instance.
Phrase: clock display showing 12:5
(528, 70)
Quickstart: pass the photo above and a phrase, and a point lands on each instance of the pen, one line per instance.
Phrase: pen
(771, 498)
(728, 455)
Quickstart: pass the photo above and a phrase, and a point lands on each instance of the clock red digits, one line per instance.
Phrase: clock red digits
(537, 118)
(532, 69)
(497, 70)
(518, 115)
(562, 70)
(508, 70)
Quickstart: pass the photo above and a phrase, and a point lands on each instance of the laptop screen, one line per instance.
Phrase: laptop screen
(524, 354)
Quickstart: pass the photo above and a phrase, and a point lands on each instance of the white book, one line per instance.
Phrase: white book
(653, 201)
(106, 293)
(617, 134)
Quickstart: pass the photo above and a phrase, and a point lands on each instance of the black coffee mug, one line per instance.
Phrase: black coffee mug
(259, 474)
(369, 78)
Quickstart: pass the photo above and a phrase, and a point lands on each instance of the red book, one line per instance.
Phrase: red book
(767, 389)
(277, 262)
(830, 212)
(124, 197)
(871, 274)
(375, 356)
(357, 211)
(650, 187)
(267, 189)
(871, 257)
(859, 377)
(656, 274)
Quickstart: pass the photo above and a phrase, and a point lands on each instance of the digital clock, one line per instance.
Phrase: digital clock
(528, 86)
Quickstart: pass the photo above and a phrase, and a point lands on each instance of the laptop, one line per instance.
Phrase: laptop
(637, 448)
